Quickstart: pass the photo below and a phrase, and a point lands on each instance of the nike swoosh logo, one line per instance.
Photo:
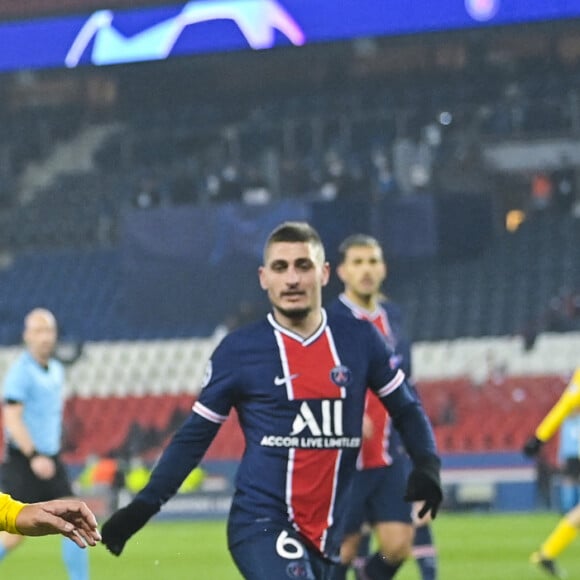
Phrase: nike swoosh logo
(278, 381)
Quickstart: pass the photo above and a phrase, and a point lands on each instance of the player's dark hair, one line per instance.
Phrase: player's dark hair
(295, 232)
(356, 241)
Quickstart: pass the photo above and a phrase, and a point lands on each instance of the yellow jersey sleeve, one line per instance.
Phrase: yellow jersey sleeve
(9, 509)
(566, 404)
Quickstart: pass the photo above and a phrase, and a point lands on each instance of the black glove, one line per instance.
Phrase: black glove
(124, 523)
(424, 484)
(532, 446)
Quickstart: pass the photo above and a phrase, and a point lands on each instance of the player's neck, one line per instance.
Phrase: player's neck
(304, 327)
(365, 302)
(42, 361)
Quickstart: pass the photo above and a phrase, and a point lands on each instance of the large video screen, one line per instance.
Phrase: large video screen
(107, 37)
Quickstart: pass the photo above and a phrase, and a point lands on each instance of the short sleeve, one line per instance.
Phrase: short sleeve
(220, 383)
(383, 376)
(15, 384)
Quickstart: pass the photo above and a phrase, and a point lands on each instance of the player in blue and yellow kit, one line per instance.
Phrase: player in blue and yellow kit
(298, 381)
(32, 410)
(567, 529)
(383, 464)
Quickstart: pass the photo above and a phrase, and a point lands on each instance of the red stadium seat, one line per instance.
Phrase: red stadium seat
(493, 417)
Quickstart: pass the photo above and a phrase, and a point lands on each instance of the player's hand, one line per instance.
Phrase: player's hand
(43, 466)
(69, 517)
(532, 446)
(424, 485)
(124, 523)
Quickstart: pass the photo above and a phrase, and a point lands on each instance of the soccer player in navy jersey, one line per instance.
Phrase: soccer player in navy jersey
(383, 464)
(298, 380)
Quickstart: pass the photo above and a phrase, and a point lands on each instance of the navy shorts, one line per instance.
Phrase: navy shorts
(278, 553)
(21, 483)
(377, 495)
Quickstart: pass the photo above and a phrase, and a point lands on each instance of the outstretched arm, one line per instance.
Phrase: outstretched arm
(410, 420)
(566, 404)
(178, 460)
(69, 517)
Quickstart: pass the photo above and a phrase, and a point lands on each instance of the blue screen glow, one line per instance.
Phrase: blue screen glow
(107, 37)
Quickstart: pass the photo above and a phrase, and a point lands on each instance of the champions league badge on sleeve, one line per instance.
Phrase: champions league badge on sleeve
(340, 375)
(395, 361)
(207, 374)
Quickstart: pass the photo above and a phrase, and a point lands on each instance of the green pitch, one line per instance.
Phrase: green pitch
(471, 546)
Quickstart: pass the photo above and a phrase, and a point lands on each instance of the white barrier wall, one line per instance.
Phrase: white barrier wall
(479, 358)
(177, 366)
(134, 368)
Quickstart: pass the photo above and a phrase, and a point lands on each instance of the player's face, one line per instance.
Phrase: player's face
(40, 336)
(293, 275)
(363, 271)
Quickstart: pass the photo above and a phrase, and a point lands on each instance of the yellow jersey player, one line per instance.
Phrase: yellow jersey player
(567, 528)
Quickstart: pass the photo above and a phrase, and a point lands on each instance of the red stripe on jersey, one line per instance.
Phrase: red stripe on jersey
(309, 366)
(311, 484)
(375, 448)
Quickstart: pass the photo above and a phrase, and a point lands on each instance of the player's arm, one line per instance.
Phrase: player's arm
(410, 420)
(15, 392)
(182, 455)
(70, 517)
(12, 417)
(566, 404)
(9, 510)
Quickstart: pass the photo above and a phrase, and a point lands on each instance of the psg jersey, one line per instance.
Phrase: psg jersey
(300, 403)
(377, 448)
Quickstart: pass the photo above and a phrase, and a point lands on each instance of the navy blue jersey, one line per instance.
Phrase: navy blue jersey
(300, 404)
(389, 319)
(380, 447)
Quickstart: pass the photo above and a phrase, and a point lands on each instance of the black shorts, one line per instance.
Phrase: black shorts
(21, 483)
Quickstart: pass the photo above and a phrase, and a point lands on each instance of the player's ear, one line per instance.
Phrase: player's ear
(325, 274)
(340, 272)
(262, 278)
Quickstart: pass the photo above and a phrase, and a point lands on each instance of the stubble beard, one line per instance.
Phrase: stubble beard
(295, 313)
(365, 297)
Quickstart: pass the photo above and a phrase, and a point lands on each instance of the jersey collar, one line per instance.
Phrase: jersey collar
(295, 336)
(359, 311)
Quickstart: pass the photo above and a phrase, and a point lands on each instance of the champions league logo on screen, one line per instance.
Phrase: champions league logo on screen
(257, 20)
(482, 10)
(155, 33)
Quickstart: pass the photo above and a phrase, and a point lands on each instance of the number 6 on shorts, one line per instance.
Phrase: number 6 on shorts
(289, 548)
